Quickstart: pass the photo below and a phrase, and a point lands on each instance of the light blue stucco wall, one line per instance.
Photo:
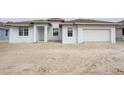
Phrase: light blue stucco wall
(3, 34)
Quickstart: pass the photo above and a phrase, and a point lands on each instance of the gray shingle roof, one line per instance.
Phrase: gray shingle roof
(87, 21)
(47, 21)
(121, 21)
(55, 19)
(28, 23)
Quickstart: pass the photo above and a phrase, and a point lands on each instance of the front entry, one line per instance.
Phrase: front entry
(40, 33)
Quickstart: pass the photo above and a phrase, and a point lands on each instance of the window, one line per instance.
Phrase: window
(20, 31)
(55, 31)
(6, 33)
(23, 31)
(123, 31)
(70, 32)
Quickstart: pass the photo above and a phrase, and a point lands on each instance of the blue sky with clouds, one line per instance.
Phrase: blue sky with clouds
(27, 19)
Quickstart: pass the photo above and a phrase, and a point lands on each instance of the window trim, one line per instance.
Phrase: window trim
(71, 32)
(56, 29)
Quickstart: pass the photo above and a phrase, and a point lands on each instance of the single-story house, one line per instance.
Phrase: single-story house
(4, 32)
(57, 29)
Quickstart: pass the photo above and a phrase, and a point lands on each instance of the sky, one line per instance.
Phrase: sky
(28, 19)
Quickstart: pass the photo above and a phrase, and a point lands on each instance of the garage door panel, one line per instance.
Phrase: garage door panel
(96, 35)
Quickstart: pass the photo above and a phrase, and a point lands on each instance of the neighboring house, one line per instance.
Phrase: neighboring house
(56, 29)
(4, 32)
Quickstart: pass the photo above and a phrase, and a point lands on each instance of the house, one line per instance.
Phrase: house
(57, 29)
(4, 32)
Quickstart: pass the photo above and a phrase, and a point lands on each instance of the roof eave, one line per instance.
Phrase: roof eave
(25, 24)
(41, 23)
(89, 23)
(95, 23)
(18, 25)
(66, 23)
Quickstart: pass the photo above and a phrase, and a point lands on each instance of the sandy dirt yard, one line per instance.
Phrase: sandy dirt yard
(59, 59)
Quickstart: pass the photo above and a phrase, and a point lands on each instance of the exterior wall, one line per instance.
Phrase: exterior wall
(65, 38)
(15, 38)
(3, 34)
(50, 32)
(78, 33)
(119, 35)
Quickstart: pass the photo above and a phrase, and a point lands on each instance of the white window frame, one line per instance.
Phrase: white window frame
(68, 32)
(57, 29)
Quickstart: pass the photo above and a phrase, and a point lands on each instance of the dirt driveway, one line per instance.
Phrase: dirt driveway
(55, 58)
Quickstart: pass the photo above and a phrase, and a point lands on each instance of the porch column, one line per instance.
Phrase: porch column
(35, 33)
(45, 34)
(79, 34)
(113, 35)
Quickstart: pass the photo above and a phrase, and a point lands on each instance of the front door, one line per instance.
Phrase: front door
(40, 33)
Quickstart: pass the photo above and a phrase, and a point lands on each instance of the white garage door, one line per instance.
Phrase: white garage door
(96, 35)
